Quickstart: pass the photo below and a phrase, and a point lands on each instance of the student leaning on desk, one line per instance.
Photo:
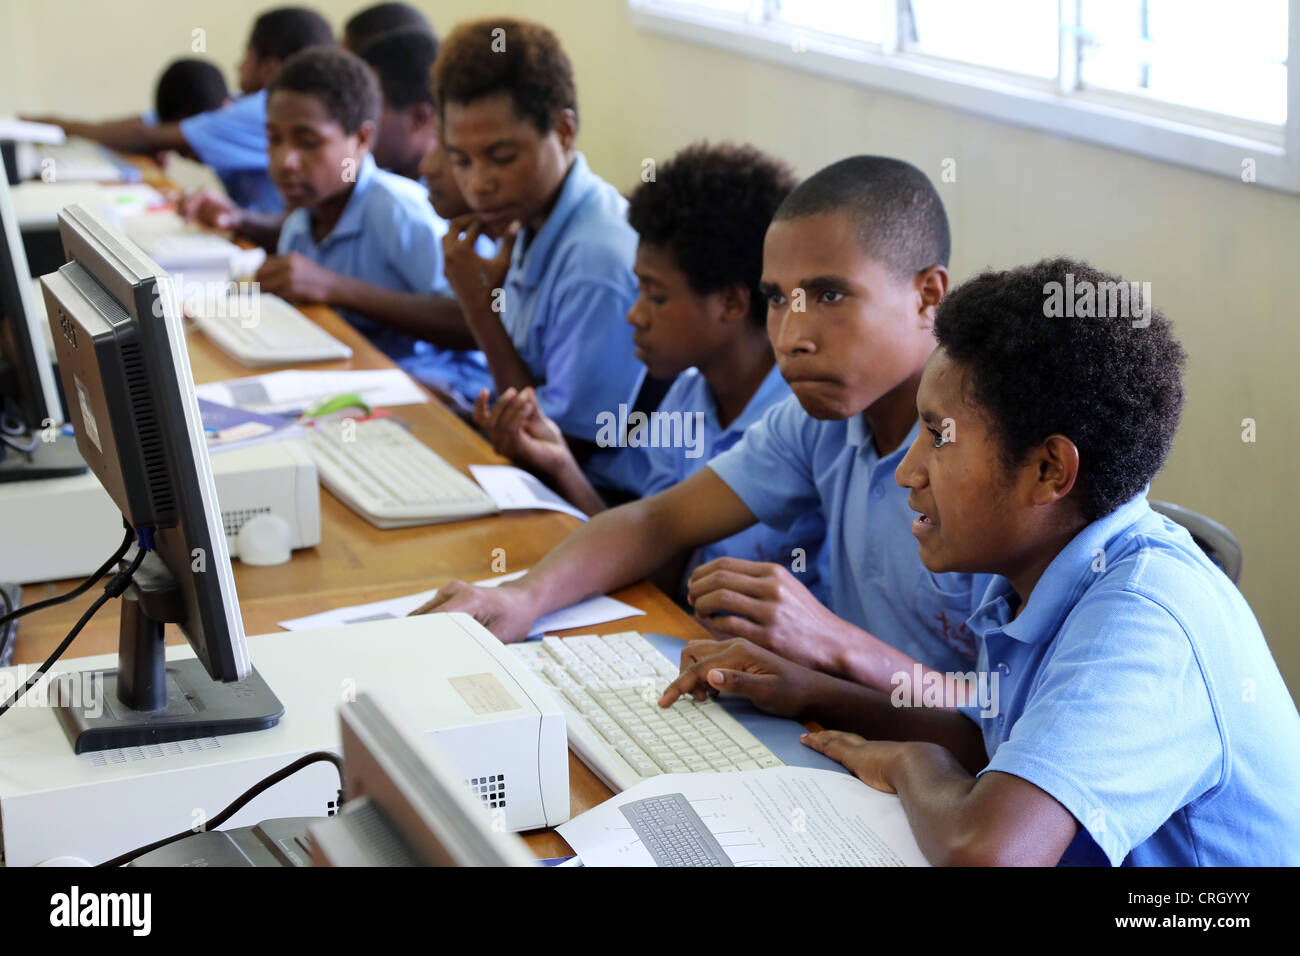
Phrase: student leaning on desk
(1130, 712)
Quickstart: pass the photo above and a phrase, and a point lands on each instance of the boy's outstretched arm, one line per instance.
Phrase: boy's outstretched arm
(959, 820)
(433, 318)
(616, 548)
(782, 687)
(128, 135)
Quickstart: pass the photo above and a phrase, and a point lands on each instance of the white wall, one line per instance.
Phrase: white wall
(1223, 257)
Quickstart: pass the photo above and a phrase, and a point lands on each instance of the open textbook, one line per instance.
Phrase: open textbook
(783, 816)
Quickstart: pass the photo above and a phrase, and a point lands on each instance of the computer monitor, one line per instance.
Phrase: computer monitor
(32, 445)
(125, 368)
(405, 805)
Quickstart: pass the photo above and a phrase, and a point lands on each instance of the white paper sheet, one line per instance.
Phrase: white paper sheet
(784, 816)
(514, 489)
(291, 391)
(597, 610)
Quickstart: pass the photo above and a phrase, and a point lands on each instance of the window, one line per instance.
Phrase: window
(1197, 82)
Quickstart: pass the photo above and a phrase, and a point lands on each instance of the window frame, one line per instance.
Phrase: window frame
(1179, 135)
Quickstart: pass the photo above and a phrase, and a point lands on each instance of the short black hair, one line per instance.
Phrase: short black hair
(280, 33)
(486, 57)
(711, 206)
(381, 18)
(337, 78)
(1103, 378)
(403, 60)
(900, 217)
(187, 87)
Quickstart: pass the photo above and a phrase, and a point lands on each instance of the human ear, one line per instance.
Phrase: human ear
(931, 286)
(1056, 469)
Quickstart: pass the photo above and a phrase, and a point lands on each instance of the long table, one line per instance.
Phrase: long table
(357, 562)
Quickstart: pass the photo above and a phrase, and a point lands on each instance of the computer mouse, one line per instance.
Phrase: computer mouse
(264, 540)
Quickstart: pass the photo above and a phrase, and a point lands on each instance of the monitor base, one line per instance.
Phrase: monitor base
(94, 718)
(51, 459)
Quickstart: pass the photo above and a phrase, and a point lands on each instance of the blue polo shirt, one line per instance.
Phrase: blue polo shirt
(790, 464)
(565, 306)
(665, 466)
(389, 236)
(1137, 689)
(232, 140)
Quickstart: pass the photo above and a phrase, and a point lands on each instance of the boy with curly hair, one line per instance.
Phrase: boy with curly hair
(699, 320)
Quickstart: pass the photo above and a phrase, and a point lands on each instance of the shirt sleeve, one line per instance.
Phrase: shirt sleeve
(231, 138)
(590, 361)
(1119, 726)
(415, 250)
(770, 468)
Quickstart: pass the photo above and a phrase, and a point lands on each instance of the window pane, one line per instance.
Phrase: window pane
(856, 19)
(1225, 56)
(1016, 35)
(738, 7)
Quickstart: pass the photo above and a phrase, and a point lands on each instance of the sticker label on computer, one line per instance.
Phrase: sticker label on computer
(87, 416)
(484, 693)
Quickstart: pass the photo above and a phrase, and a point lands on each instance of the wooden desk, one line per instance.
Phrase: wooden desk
(357, 562)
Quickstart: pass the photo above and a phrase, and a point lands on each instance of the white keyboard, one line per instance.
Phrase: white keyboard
(77, 160)
(386, 475)
(258, 329)
(609, 688)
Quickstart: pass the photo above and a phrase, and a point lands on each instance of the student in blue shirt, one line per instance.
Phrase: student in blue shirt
(548, 309)
(402, 60)
(854, 265)
(699, 319)
(357, 238)
(232, 139)
(1127, 709)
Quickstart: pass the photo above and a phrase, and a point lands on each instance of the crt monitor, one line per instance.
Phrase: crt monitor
(125, 369)
(406, 805)
(31, 443)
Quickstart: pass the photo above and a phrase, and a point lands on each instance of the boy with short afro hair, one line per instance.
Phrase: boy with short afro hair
(357, 238)
(548, 309)
(1130, 712)
(699, 319)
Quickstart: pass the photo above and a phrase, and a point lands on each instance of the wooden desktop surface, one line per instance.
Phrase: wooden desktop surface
(356, 562)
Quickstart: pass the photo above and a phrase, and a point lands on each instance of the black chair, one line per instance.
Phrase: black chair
(1214, 539)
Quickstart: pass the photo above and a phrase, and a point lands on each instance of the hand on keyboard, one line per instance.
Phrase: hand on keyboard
(501, 610)
(774, 684)
(297, 278)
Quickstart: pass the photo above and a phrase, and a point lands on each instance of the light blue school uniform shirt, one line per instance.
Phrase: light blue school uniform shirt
(790, 464)
(1137, 689)
(567, 295)
(660, 468)
(232, 140)
(389, 235)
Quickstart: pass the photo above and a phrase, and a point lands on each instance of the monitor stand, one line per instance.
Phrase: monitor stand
(51, 459)
(149, 700)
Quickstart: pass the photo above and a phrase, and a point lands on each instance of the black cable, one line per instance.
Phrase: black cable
(114, 588)
(240, 802)
(80, 589)
(7, 630)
